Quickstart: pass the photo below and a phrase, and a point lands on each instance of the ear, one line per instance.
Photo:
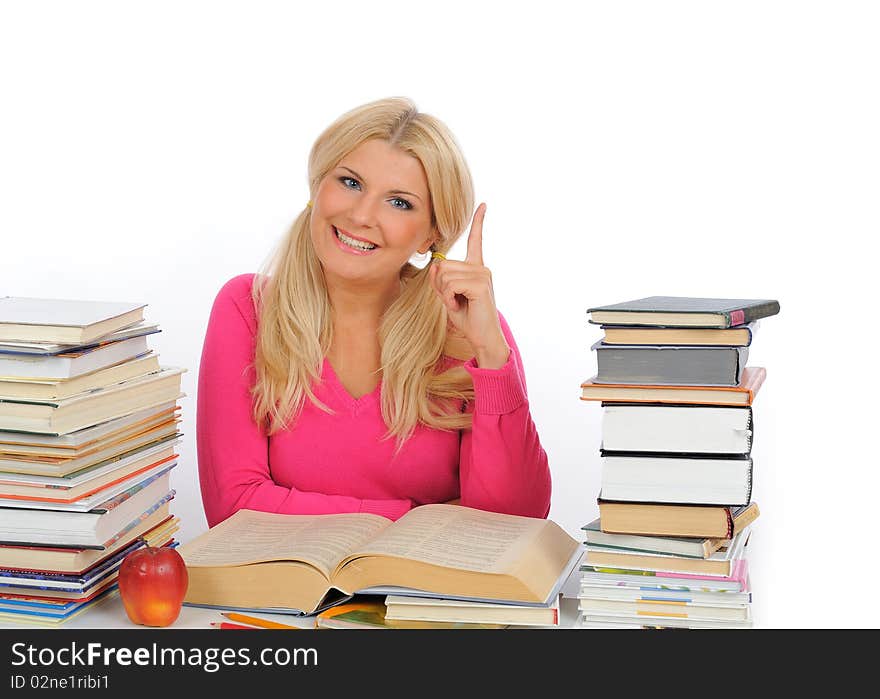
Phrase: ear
(428, 242)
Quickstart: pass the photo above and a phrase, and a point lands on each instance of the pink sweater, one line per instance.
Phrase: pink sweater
(329, 463)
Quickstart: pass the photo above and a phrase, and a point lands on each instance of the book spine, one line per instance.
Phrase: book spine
(742, 316)
(749, 492)
(729, 517)
(750, 425)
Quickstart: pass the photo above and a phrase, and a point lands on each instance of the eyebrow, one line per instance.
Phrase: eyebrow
(391, 191)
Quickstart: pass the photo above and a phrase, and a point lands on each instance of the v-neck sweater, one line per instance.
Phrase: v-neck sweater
(325, 463)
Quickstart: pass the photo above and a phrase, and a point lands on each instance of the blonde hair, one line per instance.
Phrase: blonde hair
(295, 331)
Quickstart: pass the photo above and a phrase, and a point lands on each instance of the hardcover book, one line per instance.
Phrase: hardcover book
(76, 443)
(58, 389)
(676, 365)
(716, 480)
(711, 521)
(639, 620)
(91, 407)
(737, 581)
(684, 311)
(614, 588)
(65, 321)
(51, 613)
(662, 610)
(112, 472)
(405, 608)
(743, 394)
(92, 529)
(721, 562)
(297, 563)
(75, 561)
(740, 335)
(69, 365)
(692, 547)
(28, 469)
(676, 429)
(368, 612)
(52, 348)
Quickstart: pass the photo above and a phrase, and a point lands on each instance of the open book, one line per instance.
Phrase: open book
(302, 563)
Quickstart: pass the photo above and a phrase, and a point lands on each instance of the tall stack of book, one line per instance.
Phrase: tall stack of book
(675, 500)
(88, 430)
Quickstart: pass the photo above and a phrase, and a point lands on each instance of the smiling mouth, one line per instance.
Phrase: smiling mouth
(353, 243)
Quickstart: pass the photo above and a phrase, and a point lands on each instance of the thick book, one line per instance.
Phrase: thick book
(411, 608)
(615, 588)
(30, 468)
(92, 500)
(39, 613)
(676, 429)
(684, 311)
(65, 321)
(743, 394)
(52, 348)
(57, 389)
(76, 443)
(368, 612)
(692, 547)
(92, 529)
(711, 521)
(642, 621)
(114, 472)
(740, 335)
(664, 610)
(682, 480)
(719, 563)
(75, 561)
(69, 365)
(737, 581)
(91, 407)
(296, 563)
(35, 582)
(670, 365)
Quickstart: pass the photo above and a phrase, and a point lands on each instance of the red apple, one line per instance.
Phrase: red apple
(152, 584)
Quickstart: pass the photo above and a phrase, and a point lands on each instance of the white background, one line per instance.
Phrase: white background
(151, 151)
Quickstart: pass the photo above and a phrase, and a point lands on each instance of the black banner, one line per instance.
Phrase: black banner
(100, 661)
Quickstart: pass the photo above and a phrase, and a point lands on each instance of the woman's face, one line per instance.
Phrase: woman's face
(371, 213)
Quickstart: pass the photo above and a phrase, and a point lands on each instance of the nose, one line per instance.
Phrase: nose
(364, 211)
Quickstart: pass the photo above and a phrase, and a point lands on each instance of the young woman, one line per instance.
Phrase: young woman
(350, 378)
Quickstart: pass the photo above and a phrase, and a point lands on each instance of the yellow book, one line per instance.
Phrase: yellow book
(300, 563)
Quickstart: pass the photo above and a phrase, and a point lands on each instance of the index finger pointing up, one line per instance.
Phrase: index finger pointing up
(475, 237)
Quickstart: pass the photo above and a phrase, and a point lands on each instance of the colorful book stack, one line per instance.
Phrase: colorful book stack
(675, 500)
(88, 430)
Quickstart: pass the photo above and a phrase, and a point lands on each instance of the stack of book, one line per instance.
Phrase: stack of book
(675, 504)
(88, 430)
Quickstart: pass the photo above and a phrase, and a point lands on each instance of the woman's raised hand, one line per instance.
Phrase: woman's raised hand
(466, 290)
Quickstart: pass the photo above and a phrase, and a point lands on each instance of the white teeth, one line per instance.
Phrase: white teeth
(351, 242)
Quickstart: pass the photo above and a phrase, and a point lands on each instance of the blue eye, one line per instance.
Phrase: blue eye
(345, 180)
(406, 205)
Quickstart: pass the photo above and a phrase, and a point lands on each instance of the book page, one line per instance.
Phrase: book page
(458, 537)
(250, 537)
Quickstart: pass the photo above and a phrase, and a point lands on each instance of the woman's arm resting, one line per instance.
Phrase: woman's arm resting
(503, 466)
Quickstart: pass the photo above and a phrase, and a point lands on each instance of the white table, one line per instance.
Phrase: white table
(110, 614)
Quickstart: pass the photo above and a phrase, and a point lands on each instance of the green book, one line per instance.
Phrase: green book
(684, 312)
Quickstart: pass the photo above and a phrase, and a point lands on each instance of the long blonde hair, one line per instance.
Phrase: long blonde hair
(295, 331)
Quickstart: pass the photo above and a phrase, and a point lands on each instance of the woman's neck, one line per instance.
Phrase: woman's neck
(360, 304)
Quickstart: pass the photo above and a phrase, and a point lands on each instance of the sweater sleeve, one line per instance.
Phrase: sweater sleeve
(503, 467)
(233, 452)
